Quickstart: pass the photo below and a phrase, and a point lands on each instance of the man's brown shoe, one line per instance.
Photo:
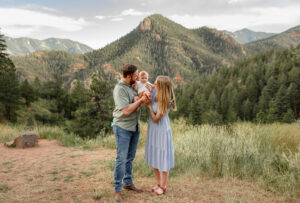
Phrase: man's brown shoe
(132, 187)
(118, 196)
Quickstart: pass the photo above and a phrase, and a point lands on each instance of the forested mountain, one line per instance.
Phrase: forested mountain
(285, 39)
(161, 46)
(158, 45)
(262, 88)
(245, 35)
(23, 46)
(216, 80)
(50, 65)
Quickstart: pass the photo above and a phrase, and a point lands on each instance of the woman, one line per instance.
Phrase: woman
(159, 145)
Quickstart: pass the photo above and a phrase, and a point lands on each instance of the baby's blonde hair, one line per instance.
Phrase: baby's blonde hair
(142, 73)
(165, 94)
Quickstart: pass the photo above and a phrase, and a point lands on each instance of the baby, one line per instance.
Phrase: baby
(140, 86)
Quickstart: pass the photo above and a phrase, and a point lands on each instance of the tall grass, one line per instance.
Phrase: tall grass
(267, 153)
(9, 132)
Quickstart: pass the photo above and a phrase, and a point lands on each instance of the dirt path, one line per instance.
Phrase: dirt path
(52, 173)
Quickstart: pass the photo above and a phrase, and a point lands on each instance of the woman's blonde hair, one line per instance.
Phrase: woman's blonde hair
(165, 94)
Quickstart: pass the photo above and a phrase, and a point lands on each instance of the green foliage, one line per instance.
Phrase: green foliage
(276, 42)
(9, 85)
(27, 92)
(50, 65)
(262, 88)
(166, 48)
(94, 116)
(264, 153)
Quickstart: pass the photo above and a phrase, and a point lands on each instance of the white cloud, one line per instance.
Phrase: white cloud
(255, 17)
(235, 1)
(133, 12)
(117, 19)
(38, 7)
(128, 12)
(100, 17)
(16, 20)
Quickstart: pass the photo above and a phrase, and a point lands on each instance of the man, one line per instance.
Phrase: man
(126, 129)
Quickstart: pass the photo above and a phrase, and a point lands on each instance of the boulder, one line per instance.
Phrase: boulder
(28, 139)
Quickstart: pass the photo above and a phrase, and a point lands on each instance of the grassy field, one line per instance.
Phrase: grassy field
(266, 156)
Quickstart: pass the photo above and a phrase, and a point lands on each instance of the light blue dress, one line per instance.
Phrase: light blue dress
(159, 150)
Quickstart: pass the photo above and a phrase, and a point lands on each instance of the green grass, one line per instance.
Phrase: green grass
(268, 153)
(4, 188)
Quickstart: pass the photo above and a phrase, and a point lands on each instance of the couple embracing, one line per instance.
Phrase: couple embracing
(159, 146)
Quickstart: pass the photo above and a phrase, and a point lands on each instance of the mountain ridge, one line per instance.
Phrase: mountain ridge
(246, 35)
(157, 45)
(290, 37)
(25, 45)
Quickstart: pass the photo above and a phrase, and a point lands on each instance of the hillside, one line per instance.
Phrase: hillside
(263, 88)
(157, 45)
(276, 42)
(245, 35)
(48, 65)
(24, 46)
(161, 46)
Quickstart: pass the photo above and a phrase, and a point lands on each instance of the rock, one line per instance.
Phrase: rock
(146, 24)
(28, 139)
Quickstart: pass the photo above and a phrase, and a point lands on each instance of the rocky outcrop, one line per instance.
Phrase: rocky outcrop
(146, 24)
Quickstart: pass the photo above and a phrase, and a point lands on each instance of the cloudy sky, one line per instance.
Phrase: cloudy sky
(99, 22)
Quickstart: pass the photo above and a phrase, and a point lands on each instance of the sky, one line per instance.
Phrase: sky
(97, 23)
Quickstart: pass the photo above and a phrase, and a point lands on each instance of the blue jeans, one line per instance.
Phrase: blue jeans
(126, 147)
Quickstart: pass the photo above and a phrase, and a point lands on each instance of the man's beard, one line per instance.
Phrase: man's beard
(132, 82)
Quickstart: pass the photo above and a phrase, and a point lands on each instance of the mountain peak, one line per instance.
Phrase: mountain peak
(146, 24)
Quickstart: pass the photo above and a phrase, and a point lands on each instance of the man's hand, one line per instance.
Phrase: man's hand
(143, 99)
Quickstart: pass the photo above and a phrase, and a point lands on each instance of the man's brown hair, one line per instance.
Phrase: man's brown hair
(128, 70)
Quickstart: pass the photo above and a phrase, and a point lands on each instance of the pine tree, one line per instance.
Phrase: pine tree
(9, 85)
(282, 101)
(95, 115)
(36, 85)
(27, 92)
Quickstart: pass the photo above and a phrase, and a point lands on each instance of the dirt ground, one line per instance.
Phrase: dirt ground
(52, 173)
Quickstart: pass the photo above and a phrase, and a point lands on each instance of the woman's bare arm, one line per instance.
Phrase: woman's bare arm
(155, 117)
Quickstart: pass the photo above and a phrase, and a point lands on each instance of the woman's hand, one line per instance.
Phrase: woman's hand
(149, 87)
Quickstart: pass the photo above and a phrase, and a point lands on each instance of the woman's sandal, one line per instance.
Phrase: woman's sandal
(154, 188)
(164, 190)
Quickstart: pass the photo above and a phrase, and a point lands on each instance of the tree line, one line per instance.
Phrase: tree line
(86, 112)
(263, 88)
